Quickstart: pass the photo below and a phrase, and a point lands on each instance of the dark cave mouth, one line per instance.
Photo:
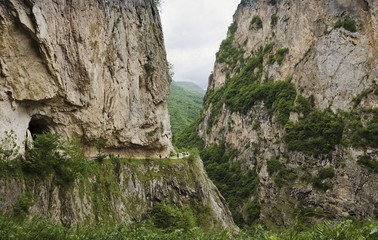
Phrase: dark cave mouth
(38, 126)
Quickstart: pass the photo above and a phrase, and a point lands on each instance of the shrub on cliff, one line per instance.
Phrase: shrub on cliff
(347, 23)
(318, 133)
(256, 23)
(226, 174)
(50, 155)
(168, 216)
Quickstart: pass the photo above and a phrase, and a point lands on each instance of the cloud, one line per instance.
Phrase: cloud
(193, 31)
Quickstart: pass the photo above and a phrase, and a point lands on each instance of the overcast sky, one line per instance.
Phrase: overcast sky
(193, 31)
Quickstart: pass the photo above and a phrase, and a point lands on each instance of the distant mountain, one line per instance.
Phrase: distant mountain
(191, 87)
(184, 104)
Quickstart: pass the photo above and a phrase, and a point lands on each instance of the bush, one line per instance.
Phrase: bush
(369, 163)
(244, 90)
(226, 175)
(347, 23)
(274, 165)
(278, 56)
(232, 28)
(100, 145)
(369, 135)
(25, 201)
(44, 155)
(318, 133)
(325, 173)
(320, 182)
(358, 135)
(168, 216)
(273, 20)
(50, 155)
(253, 209)
(256, 23)
(228, 53)
(304, 105)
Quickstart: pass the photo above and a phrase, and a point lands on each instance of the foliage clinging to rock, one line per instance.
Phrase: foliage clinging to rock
(347, 23)
(318, 133)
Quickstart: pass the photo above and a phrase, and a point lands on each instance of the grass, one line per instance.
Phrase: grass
(39, 228)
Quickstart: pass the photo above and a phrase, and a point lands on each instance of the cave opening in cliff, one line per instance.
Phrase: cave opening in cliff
(38, 126)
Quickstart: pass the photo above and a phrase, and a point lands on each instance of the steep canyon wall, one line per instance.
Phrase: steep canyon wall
(294, 91)
(91, 70)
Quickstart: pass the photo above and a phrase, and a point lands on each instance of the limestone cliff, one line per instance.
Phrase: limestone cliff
(294, 91)
(92, 70)
(115, 191)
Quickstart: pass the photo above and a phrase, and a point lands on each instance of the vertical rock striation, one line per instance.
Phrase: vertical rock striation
(114, 192)
(92, 70)
(284, 67)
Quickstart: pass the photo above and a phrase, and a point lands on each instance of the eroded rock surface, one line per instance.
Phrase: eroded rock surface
(117, 192)
(332, 66)
(86, 69)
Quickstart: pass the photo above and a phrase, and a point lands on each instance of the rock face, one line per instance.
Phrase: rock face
(86, 69)
(313, 46)
(116, 192)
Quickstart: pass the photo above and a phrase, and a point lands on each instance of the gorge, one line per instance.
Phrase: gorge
(288, 131)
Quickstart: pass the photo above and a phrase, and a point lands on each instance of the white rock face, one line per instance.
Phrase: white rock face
(331, 65)
(86, 69)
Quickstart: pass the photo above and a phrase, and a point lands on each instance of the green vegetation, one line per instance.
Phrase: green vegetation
(327, 172)
(38, 228)
(170, 217)
(235, 185)
(273, 20)
(256, 22)
(347, 23)
(49, 156)
(62, 164)
(281, 175)
(184, 104)
(188, 138)
(232, 28)
(228, 53)
(357, 100)
(364, 136)
(274, 165)
(369, 163)
(320, 182)
(244, 90)
(317, 133)
(279, 56)
(25, 201)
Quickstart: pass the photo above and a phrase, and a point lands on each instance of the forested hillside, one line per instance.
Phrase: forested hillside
(184, 104)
